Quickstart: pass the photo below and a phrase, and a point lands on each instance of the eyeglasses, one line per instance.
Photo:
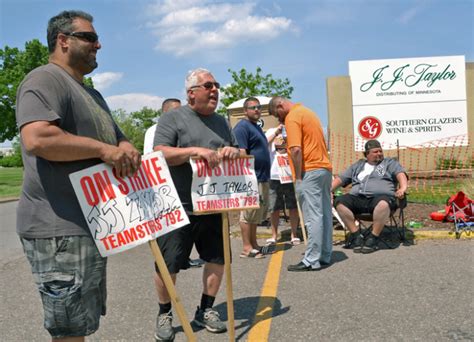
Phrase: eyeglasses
(91, 37)
(256, 107)
(208, 85)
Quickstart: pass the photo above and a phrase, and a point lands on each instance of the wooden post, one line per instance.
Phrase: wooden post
(303, 229)
(300, 214)
(178, 306)
(228, 276)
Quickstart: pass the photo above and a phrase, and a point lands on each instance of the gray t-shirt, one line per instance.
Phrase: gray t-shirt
(381, 181)
(183, 127)
(48, 206)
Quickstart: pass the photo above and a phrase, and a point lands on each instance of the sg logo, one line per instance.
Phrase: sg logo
(370, 127)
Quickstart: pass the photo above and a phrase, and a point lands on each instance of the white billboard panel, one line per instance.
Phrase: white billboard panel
(411, 100)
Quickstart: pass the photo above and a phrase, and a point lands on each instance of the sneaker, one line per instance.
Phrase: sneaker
(210, 320)
(358, 242)
(164, 328)
(371, 244)
(195, 262)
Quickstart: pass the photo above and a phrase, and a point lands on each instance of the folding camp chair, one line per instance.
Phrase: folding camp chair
(397, 224)
(462, 213)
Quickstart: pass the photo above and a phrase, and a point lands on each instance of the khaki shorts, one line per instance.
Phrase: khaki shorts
(256, 216)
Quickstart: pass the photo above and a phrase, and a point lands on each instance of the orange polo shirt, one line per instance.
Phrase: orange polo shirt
(304, 130)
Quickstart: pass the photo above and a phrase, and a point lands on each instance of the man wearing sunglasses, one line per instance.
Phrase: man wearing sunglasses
(194, 130)
(253, 141)
(65, 127)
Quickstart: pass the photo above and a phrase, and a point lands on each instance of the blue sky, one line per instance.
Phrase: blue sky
(148, 46)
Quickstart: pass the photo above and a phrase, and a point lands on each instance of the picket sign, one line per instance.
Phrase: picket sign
(284, 169)
(232, 185)
(123, 213)
(285, 175)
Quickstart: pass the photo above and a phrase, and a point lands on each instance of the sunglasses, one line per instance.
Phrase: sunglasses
(257, 107)
(208, 85)
(91, 37)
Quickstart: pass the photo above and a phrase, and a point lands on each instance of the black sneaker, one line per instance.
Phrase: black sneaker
(371, 244)
(164, 328)
(301, 267)
(210, 320)
(358, 242)
(195, 262)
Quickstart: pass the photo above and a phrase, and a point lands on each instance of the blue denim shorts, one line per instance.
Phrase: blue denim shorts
(71, 278)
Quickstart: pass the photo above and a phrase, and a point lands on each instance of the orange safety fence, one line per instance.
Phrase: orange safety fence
(440, 167)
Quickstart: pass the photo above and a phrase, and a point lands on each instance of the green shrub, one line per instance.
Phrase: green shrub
(450, 164)
(12, 161)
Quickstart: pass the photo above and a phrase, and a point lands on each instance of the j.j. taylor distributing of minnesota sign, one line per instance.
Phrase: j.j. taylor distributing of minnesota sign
(412, 100)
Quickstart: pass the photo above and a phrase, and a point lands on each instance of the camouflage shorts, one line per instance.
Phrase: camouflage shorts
(71, 277)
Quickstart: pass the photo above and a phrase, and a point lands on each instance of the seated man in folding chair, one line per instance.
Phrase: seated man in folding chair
(374, 190)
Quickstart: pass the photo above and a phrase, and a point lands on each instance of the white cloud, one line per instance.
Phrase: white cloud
(210, 14)
(167, 6)
(134, 102)
(106, 79)
(189, 26)
(410, 14)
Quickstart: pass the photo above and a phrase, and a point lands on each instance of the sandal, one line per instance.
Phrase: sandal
(295, 241)
(254, 253)
(271, 241)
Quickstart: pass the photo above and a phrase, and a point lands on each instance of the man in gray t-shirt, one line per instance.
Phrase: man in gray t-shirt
(374, 189)
(193, 130)
(65, 126)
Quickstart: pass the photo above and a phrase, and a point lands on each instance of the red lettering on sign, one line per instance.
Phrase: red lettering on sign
(104, 241)
(104, 185)
(203, 168)
(89, 191)
(138, 182)
(141, 233)
(121, 240)
(130, 235)
(230, 168)
(123, 187)
(157, 170)
(146, 167)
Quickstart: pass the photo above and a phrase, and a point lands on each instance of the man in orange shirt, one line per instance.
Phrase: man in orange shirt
(312, 175)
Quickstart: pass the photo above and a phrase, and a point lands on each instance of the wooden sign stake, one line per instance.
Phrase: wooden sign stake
(176, 301)
(228, 275)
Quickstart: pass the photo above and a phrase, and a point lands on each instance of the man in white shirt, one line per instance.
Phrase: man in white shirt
(282, 193)
(166, 106)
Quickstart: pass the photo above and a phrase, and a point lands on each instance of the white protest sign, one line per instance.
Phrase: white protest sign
(232, 185)
(123, 213)
(284, 169)
(414, 101)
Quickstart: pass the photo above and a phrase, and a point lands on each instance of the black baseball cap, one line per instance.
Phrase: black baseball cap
(372, 144)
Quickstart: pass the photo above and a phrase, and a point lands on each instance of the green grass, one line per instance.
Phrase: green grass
(438, 192)
(11, 179)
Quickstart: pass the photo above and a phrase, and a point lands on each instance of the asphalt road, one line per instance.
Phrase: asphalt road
(421, 292)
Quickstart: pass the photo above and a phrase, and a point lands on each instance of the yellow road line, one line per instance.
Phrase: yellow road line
(264, 313)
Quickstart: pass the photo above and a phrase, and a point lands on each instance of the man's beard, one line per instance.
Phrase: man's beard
(79, 58)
